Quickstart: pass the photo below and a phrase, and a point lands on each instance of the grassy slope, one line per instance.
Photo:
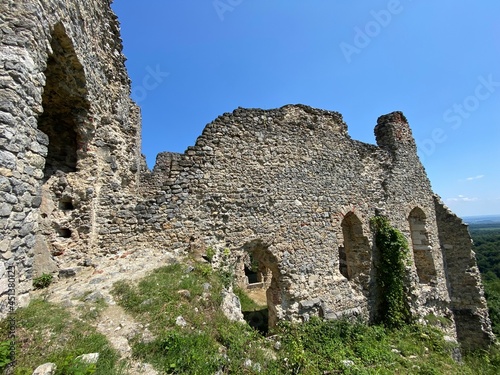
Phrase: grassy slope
(48, 333)
(209, 342)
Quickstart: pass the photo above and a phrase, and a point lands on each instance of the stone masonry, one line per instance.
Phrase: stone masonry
(282, 197)
(69, 133)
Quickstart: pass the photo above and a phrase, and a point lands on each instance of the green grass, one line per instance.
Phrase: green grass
(48, 333)
(210, 342)
(42, 281)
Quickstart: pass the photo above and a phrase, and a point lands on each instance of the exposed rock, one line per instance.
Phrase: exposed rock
(43, 262)
(68, 272)
(255, 366)
(186, 294)
(90, 358)
(94, 297)
(45, 369)
(231, 306)
(347, 363)
(180, 321)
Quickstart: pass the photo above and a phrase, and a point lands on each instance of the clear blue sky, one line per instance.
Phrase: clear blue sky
(437, 61)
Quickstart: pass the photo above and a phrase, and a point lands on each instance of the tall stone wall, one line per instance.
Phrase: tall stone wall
(69, 133)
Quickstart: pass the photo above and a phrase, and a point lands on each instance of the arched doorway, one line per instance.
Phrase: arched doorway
(265, 276)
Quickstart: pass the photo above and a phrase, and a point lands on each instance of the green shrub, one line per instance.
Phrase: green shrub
(4, 354)
(43, 281)
(210, 253)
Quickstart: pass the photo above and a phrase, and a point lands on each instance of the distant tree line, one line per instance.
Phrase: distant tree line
(487, 247)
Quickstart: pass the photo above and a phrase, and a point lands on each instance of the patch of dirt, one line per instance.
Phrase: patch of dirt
(258, 296)
(95, 282)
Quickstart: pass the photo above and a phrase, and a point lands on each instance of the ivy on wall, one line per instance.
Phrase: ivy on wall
(394, 253)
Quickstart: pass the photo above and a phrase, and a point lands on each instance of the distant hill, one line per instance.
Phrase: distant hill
(484, 219)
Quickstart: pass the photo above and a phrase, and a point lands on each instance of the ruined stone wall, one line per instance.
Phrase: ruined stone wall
(286, 188)
(69, 133)
(291, 188)
(464, 280)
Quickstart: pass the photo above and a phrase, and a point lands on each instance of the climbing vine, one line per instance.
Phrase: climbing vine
(391, 272)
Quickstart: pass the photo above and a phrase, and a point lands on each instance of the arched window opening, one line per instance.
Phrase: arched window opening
(354, 254)
(422, 251)
(257, 274)
(64, 104)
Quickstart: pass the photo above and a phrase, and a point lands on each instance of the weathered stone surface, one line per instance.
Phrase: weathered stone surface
(56, 59)
(180, 321)
(90, 358)
(284, 196)
(45, 369)
(231, 306)
(289, 193)
(43, 262)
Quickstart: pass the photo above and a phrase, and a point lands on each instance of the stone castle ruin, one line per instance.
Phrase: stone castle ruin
(284, 196)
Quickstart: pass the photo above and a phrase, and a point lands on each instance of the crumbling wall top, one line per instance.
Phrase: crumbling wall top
(393, 132)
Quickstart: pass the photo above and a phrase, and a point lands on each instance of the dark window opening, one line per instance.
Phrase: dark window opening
(66, 204)
(64, 232)
(343, 262)
(252, 276)
(258, 319)
(64, 104)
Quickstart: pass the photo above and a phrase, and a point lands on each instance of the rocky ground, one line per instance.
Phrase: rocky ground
(93, 280)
